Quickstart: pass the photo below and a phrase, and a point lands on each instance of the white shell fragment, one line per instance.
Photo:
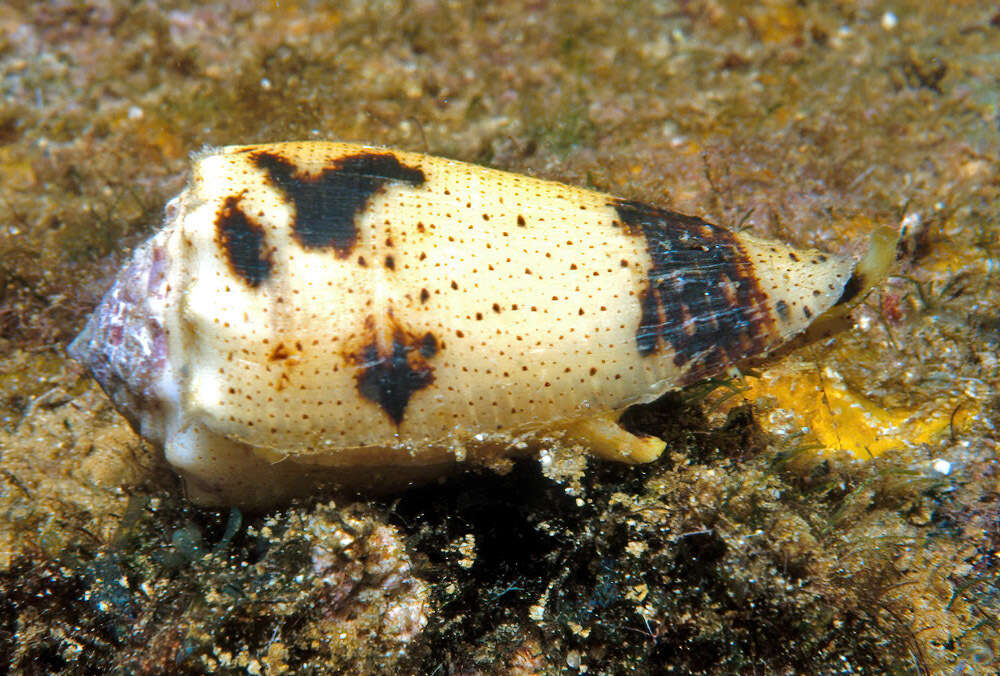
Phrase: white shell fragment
(316, 312)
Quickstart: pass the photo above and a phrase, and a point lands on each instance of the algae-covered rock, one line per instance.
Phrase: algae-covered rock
(324, 589)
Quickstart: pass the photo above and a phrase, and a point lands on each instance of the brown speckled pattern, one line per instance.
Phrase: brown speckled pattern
(536, 296)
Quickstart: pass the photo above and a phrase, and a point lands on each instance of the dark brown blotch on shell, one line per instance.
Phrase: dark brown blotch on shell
(243, 243)
(853, 287)
(327, 204)
(428, 345)
(683, 306)
(783, 311)
(390, 377)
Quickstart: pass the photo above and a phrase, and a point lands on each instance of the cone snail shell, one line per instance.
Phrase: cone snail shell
(316, 312)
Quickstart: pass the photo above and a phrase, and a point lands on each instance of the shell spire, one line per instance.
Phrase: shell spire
(124, 343)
